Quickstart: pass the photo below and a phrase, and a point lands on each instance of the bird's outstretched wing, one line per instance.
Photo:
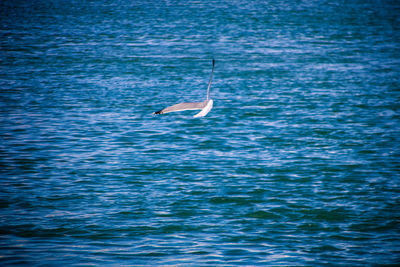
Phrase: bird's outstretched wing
(183, 106)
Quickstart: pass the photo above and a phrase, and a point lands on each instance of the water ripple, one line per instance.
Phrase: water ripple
(297, 163)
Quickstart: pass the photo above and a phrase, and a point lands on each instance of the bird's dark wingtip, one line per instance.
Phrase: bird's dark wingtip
(158, 112)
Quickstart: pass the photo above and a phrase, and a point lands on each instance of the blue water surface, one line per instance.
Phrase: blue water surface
(298, 163)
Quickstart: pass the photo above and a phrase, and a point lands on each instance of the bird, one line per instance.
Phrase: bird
(205, 106)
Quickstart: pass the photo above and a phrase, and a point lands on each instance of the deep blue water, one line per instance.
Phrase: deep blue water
(298, 163)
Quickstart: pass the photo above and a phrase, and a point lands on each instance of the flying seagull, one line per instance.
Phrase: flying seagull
(205, 106)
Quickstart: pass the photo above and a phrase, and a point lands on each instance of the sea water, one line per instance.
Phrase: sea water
(298, 162)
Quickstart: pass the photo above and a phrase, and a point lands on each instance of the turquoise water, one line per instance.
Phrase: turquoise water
(298, 163)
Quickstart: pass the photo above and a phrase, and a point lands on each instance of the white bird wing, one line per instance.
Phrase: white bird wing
(183, 106)
(205, 110)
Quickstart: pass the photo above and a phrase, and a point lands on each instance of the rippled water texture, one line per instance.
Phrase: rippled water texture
(298, 162)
